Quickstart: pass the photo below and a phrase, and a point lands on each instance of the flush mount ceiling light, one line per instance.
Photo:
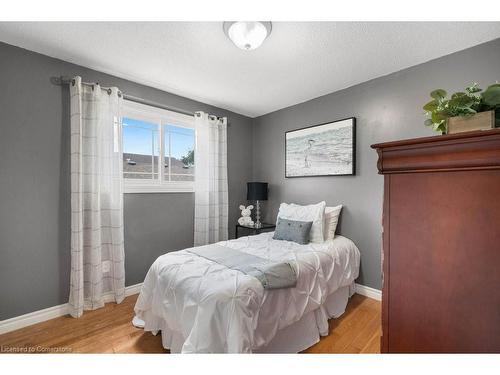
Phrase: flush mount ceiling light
(247, 35)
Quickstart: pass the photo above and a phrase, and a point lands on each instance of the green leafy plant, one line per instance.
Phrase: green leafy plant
(188, 159)
(473, 100)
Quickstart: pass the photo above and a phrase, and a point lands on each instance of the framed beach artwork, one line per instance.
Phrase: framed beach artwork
(327, 149)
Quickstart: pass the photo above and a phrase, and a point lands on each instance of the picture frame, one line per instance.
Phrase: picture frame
(326, 149)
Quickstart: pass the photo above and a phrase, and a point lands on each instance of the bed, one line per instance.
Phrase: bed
(201, 306)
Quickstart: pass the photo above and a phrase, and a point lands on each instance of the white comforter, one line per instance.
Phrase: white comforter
(219, 310)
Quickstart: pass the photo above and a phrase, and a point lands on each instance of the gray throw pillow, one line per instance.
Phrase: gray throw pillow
(293, 230)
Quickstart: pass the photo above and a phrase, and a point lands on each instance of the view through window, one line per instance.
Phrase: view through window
(150, 136)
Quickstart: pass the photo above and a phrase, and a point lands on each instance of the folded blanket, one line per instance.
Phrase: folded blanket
(272, 275)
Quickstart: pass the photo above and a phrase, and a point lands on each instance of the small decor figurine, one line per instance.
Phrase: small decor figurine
(246, 216)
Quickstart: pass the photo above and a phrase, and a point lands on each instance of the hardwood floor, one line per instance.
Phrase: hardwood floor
(357, 331)
(109, 330)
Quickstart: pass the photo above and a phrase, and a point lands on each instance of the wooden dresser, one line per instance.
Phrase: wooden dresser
(441, 243)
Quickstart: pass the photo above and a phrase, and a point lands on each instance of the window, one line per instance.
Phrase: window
(150, 136)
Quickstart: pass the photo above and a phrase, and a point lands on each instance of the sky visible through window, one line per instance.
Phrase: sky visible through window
(137, 138)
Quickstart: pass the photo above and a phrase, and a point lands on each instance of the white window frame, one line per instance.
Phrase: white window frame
(160, 117)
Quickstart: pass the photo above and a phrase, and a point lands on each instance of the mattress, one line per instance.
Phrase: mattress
(203, 307)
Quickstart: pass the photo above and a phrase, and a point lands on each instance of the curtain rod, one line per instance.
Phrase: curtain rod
(64, 80)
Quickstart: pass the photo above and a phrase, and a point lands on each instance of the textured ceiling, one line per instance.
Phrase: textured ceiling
(298, 62)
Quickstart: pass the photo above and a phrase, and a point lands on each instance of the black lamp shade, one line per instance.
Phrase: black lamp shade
(257, 191)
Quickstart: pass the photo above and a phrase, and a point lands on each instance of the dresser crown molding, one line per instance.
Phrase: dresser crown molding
(454, 152)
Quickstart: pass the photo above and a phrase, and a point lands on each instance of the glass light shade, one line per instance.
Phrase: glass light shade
(247, 35)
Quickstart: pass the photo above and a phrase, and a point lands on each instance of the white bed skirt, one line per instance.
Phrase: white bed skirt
(307, 331)
(292, 339)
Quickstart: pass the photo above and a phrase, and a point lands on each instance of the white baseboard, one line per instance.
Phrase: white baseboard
(369, 292)
(133, 289)
(52, 312)
(33, 318)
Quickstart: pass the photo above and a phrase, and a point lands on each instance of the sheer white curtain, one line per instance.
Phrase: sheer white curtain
(210, 213)
(96, 198)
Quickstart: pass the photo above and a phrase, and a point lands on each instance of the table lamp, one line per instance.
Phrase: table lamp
(257, 191)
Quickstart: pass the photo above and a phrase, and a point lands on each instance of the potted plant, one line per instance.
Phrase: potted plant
(473, 109)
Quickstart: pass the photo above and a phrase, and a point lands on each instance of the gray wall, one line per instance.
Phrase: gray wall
(34, 184)
(387, 108)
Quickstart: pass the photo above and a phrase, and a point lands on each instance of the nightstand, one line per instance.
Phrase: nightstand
(264, 228)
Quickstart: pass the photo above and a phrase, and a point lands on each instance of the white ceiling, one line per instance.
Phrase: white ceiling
(298, 62)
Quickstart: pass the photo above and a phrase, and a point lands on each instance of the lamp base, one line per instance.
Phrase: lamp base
(257, 224)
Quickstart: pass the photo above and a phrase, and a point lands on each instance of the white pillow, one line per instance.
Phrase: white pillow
(331, 220)
(312, 212)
